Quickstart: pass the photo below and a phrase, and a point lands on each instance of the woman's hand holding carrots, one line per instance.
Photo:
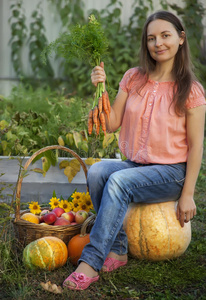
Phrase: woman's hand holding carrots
(98, 74)
(102, 108)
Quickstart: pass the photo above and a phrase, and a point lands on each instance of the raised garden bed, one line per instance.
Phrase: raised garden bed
(36, 187)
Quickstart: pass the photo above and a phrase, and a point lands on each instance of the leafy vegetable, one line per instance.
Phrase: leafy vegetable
(85, 42)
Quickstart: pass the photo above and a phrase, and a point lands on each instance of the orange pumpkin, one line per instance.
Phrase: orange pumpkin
(46, 253)
(154, 233)
(78, 242)
(76, 246)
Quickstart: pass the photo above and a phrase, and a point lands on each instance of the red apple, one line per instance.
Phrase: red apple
(50, 218)
(73, 223)
(41, 219)
(70, 215)
(81, 216)
(58, 211)
(62, 221)
(42, 213)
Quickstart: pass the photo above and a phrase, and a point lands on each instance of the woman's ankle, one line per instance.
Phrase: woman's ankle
(86, 269)
(114, 255)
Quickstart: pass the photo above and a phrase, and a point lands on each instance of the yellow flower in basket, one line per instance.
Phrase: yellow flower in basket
(88, 201)
(77, 201)
(77, 196)
(66, 205)
(54, 202)
(34, 208)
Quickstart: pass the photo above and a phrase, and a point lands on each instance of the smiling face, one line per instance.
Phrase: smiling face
(163, 41)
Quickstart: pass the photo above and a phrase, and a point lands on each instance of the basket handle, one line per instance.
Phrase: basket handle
(89, 221)
(19, 183)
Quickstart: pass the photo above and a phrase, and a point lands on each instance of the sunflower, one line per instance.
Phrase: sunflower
(54, 202)
(88, 201)
(66, 205)
(77, 196)
(83, 206)
(34, 208)
(76, 202)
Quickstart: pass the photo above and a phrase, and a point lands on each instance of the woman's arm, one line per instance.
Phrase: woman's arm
(118, 107)
(186, 208)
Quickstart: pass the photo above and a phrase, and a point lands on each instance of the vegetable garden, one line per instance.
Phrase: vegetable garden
(49, 111)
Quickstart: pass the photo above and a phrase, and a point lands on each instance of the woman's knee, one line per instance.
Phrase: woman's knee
(117, 184)
(96, 173)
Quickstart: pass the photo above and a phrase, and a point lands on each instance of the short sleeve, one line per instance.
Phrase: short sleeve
(196, 97)
(126, 80)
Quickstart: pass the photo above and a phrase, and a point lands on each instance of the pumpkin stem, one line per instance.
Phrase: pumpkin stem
(82, 235)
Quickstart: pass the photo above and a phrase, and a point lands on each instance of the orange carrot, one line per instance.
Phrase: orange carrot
(98, 126)
(100, 104)
(95, 115)
(108, 102)
(102, 121)
(90, 122)
(104, 104)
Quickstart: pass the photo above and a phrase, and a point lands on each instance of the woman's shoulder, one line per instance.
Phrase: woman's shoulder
(196, 96)
(132, 76)
(132, 79)
(197, 89)
(133, 72)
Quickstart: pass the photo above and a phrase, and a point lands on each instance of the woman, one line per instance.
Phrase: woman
(160, 108)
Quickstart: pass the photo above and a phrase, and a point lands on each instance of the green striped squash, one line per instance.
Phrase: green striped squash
(46, 253)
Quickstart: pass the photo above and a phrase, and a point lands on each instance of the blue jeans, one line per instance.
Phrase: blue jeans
(113, 185)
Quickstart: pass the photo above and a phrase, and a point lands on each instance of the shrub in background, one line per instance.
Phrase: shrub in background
(31, 119)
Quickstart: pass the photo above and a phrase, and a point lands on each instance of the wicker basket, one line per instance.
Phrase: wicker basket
(26, 232)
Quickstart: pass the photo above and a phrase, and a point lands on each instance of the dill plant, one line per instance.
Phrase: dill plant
(86, 42)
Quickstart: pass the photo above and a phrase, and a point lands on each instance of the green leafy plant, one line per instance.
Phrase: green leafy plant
(70, 12)
(85, 42)
(19, 29)
(37, 41)
(32, 119)
(192, 14)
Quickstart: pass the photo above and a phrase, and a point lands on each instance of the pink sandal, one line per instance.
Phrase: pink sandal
(80, 280)
(112, 264)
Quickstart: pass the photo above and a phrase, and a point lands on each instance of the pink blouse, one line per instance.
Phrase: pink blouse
(151, 131)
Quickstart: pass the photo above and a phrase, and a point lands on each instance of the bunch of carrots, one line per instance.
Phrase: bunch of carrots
(98, 113)
(100, 110)
(88, 43)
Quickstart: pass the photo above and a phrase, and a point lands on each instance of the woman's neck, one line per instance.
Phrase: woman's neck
(162, 73)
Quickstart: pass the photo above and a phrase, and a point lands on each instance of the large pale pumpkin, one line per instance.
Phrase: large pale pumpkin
(154, 233)
(46, 253)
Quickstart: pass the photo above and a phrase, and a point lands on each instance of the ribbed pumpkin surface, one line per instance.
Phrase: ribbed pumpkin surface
(46, 253)
(154, 233)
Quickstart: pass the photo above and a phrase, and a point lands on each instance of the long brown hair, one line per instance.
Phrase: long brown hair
(182, 68)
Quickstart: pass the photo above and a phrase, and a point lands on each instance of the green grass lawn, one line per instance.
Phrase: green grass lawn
(182, 278)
